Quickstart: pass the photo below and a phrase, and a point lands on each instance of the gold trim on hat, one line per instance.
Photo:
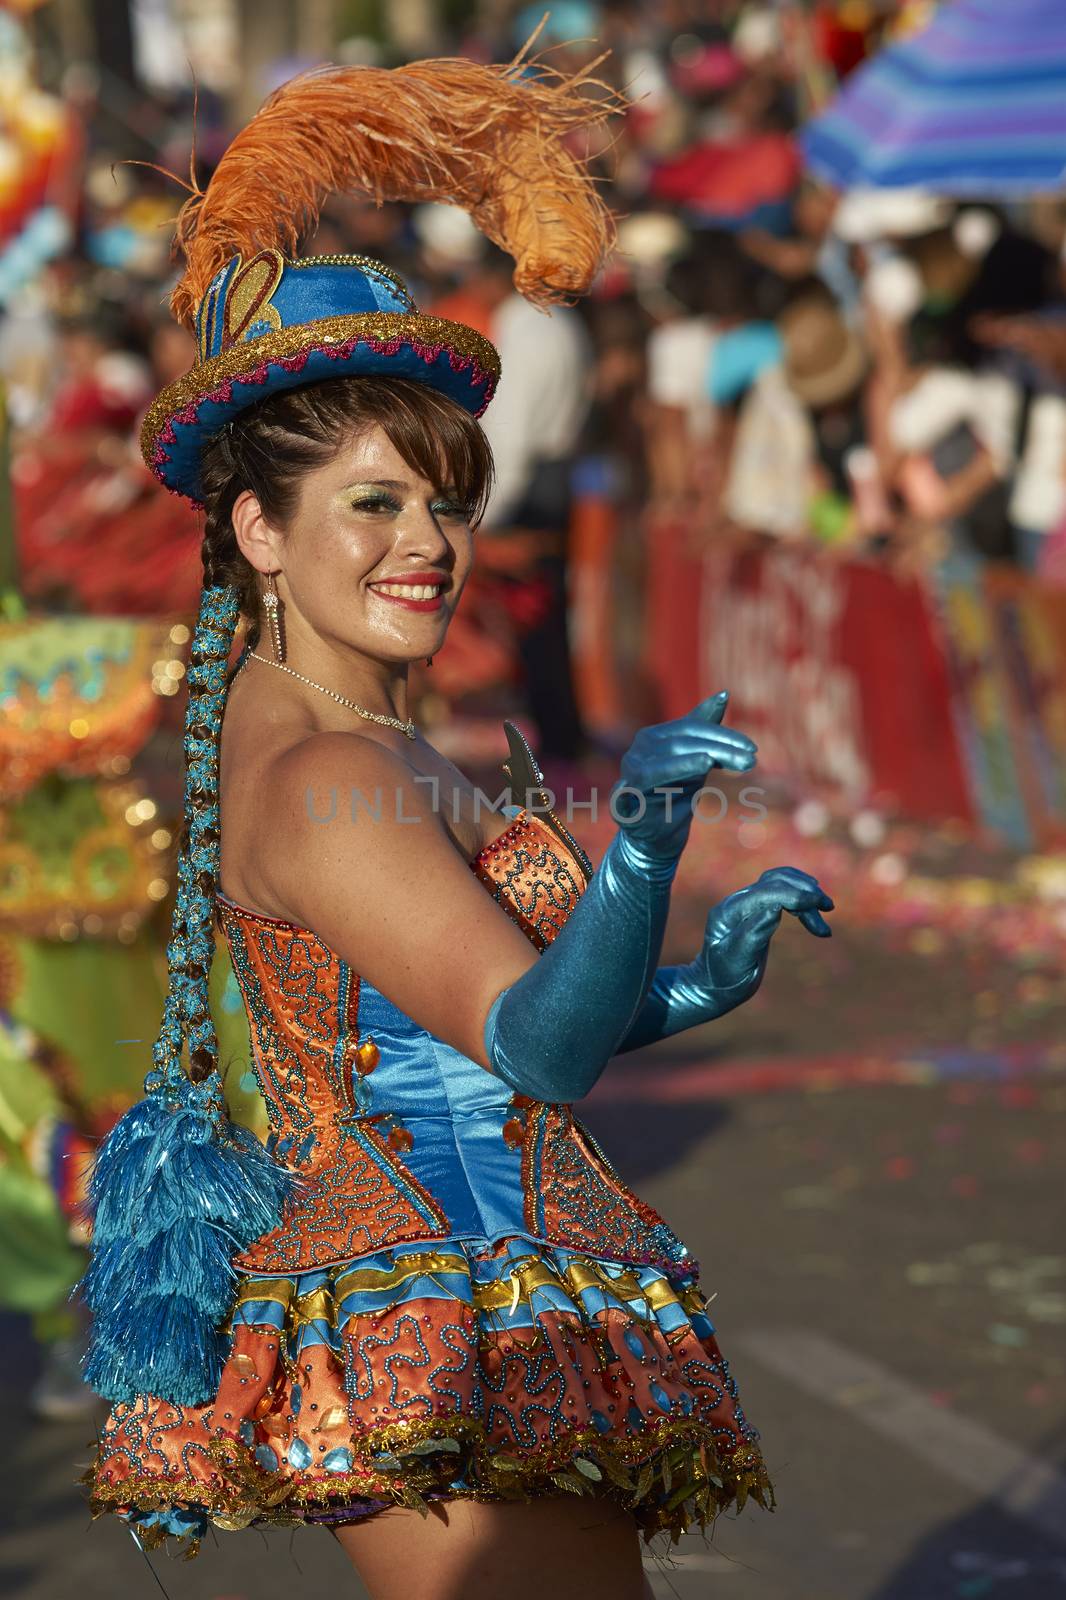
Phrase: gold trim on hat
(240, 359)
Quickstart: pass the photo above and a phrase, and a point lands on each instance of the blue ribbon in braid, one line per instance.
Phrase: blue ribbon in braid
(178, 1189)
(193, 943)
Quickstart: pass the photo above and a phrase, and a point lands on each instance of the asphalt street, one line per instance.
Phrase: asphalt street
(870, 1177)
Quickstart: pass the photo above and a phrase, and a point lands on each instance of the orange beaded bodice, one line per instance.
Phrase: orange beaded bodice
(396, 1135)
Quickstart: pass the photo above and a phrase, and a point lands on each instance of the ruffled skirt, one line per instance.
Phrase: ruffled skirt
(502, 1371)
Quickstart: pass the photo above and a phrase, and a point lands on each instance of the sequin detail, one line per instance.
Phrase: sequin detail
(532, 877)
(375, 1357)
(337, 337)
(574, 1196)
(302, 1003)
(424, 1373)
(361, 1193)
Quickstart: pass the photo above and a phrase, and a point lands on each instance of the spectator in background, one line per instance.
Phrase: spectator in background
(707, 298)
(825, 365)
(961, 420)
(101, 384)
(534, 426)
(766, 482)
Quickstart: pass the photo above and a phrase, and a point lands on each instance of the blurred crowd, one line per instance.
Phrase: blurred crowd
(761, 359)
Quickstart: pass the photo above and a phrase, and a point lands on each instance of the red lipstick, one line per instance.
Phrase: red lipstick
(412, 580)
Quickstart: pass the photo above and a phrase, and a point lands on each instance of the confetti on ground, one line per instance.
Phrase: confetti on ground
(1005, 1333)
(709, 1078)
(1031, 1286)
(994, 1569)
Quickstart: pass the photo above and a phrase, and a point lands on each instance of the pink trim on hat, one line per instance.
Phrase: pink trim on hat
(336, 352)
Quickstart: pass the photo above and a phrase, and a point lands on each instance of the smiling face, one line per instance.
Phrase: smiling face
(374, 556)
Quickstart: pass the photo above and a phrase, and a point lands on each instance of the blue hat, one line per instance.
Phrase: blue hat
(268, 324)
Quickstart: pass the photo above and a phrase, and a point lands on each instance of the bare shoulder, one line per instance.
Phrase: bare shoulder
(342, 770)
(347, 815)
(348, 843)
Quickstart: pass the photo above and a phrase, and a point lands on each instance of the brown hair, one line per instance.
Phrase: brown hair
(267, 449)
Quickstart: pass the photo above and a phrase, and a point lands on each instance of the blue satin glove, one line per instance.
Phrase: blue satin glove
(550, 1034)
(664, 770)
(732, 963)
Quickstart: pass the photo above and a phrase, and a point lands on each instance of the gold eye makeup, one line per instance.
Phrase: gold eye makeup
(375, 500)
(379, 498)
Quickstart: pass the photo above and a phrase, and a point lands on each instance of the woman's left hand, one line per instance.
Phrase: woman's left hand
(736, 941)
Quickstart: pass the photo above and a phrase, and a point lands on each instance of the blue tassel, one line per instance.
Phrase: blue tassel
(177, 1190)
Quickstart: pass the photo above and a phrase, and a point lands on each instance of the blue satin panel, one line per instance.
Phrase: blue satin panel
(423, 1142)
(305, 293)
(323, 297)
(455, 1112)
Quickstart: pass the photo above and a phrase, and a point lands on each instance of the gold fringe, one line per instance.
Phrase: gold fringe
(671, 1483)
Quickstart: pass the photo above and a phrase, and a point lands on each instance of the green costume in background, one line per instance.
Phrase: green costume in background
(64, 1081)
(86, 881)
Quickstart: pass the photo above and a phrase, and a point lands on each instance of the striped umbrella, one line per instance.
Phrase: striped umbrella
(974, 104)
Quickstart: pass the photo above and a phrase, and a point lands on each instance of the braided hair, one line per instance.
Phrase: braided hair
(267, 449)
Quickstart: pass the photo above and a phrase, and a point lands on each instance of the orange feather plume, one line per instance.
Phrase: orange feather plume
(491, 139)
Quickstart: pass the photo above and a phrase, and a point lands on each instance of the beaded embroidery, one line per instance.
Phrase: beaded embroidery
(542, 1370)
(385, 332)
(574, 1197)
(303, 1005)
(362, 1201)
(353, 1385)
(531, 877)
(281, 1069)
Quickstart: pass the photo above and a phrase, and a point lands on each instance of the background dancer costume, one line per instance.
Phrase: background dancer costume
(431, 1282)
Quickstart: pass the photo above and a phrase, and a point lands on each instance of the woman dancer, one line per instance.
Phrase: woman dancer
(431, 1292)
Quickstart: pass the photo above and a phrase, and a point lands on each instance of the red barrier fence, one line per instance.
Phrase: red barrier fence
(940, 697)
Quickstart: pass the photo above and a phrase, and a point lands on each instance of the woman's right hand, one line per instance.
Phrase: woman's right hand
(665, 768)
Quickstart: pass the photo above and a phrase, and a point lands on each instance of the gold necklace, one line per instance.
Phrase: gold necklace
(371, 716)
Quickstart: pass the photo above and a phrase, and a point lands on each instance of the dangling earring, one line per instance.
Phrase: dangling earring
(429, 661)
(272, 604)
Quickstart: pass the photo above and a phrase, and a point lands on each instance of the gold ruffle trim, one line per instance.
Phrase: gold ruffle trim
(244, 357)
(526, 1275)
(679, 1481)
